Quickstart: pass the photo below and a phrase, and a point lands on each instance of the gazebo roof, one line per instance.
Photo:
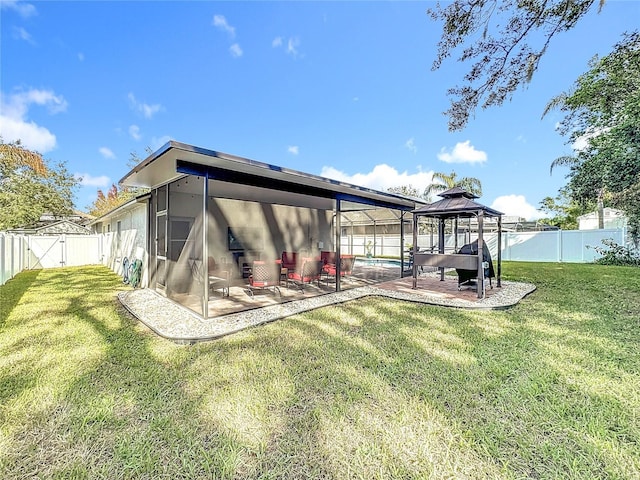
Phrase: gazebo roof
(456, 202)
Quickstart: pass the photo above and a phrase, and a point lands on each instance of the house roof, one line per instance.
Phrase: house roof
(608, 213)
(456, 202)
(174, 160)
(120, 208)
(59, 226)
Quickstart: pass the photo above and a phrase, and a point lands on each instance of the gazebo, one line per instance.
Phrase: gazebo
(456, 203)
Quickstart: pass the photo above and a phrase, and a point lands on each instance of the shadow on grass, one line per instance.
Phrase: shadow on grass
(12, 291)
(126, 406)
(373, 388)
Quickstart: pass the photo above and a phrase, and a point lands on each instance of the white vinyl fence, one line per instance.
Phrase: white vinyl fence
(572, 246)
(20, 252)
(27, 252)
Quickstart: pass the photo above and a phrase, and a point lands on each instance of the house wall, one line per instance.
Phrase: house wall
(129, 240)
(612, 219)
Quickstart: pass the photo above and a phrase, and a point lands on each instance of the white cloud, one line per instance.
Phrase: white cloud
(411, 145)
(582, 142)
(382, 177)
(516, 205)
(23, 9)
(81, 56)
(32, 136)
(134, 131)
(235, 50)
(21, 34)
(14, 123)
(463, 152)
(291, 47)
(220, 22)
(146, 110)
(87, 180)
(293, 149)
(106, 152)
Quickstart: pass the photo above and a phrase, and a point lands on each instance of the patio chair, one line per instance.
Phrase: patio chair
(327, 258)
(265, 275)
(346, 267)
(307, 271)
(289, 260)
(218, 279)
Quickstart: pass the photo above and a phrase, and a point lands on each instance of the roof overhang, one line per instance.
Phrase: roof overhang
(175, 159)
(455, 207)
(121, 208)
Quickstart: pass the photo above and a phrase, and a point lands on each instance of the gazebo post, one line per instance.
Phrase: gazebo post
(414, 269)
(402, 244)
(338, 242)
(499, 250)
(455, 235)
(441, 243)
(480, 254)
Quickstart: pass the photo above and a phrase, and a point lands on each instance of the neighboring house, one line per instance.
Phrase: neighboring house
(612, 219)
(50, 224)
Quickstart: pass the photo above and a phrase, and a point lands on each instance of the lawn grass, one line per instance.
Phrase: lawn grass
(374, 388)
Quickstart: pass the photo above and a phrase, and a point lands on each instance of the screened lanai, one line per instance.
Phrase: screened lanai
(228, 233)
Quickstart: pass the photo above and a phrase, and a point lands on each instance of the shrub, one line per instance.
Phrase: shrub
(614, 254)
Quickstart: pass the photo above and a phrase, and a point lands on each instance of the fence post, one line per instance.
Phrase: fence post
(560, 245)
(2, 280)
(11, 269)
(63, 250)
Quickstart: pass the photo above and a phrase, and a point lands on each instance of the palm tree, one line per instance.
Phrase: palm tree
(564, 161)
(442, 181)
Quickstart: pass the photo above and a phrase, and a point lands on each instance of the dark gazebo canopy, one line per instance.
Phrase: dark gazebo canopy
(456, 203)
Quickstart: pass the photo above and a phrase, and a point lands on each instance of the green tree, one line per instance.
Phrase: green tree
(563, 212)
(505, 41)
(29, 186)
(442, 181)
(603, 111)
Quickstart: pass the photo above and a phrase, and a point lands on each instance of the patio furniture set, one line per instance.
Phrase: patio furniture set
(291, 268)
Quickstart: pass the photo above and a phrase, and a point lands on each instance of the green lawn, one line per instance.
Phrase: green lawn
(374, 388)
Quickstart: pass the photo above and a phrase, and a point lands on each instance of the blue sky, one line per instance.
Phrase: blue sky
(339, 89)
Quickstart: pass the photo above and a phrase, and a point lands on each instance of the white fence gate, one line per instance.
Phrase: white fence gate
(27, 252)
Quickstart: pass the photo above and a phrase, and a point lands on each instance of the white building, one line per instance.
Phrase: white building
(612, 219)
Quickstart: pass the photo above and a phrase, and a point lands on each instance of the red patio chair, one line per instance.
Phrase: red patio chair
(265, 275)
(346, 267)
(308, 270)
